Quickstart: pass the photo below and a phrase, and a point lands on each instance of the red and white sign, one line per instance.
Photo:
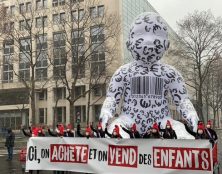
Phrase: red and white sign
(128, 156)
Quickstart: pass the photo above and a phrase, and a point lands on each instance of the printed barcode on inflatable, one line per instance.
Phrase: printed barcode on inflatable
(146, 85)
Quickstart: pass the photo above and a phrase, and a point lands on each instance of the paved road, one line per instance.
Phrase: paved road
(14, 166)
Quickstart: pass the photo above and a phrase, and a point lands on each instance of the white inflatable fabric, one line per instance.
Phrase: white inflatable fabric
(142, 86)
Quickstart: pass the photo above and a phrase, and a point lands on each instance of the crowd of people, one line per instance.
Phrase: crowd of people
(203, 132)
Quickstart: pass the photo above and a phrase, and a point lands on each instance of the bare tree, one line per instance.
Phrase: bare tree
(84, 47)
(212, 89)
(199, 43)
(24, 34)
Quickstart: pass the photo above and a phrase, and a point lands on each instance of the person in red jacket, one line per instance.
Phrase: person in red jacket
(99, 132)
(154, 133)
(88, 132)
(115, 133)
(133, 133)
(59, 131)
(168, 132)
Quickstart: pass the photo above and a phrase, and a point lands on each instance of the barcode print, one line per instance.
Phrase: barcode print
(146, 85)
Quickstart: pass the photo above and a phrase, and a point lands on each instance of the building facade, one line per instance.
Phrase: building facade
(46, 17)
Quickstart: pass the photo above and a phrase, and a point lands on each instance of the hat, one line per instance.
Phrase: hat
(133, 127)
(168, 123)
(34, 131)
(200, 126)
(61, 129)
(209, 122)
(155, 126)
(116, 129)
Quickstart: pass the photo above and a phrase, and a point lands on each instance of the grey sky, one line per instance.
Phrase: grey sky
(174, 10)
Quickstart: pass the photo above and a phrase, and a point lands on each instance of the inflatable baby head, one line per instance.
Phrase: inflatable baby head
(148, 38)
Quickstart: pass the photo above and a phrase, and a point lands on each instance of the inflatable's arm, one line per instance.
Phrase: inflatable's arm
(180, 97)
(113, 97)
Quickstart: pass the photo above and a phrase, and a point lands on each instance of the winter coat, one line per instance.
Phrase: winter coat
(10, 139)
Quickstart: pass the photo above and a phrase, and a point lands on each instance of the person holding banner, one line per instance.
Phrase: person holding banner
(99, 132)
(115, 133)
(141, 87)
(133, 133)
(211, 133)
(59, 131)
(168, 132)
(88, 132)
(153, 133)
(201, 132)
(69, 132)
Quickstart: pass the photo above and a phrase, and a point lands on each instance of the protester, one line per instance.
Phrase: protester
(69, 132)
(88, 132)
(9, 143)
(115, 133)
(211, 133)
(168, 132)
(59, 131)
(34, 132)
(200, 134)
(153, 133)
(133, 133)
(99, 132)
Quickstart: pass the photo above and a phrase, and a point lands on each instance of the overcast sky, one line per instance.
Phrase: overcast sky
(174, 10)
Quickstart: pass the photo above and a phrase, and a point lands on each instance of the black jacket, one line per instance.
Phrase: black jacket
(195, 134)
(212, 134)
(99, 133)
(111, 135)
(152, 135)
(169, 133)
(132, 134)
(68, 134)
(10, 139)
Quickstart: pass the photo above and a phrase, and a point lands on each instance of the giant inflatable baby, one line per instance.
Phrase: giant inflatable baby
(141, 88)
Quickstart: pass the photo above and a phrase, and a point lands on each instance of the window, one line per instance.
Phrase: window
(41, 4)
(75, 1)
(22, 8)
(60, 113)
(99, 90)
(41, 115)
(79, 90)
(8, 27)
(24, 59)
(41, 57)
(41, 21)
(93, 12)
(59, 93)
(98, 50)
(55, 3)
(58, 18)
(80, 113)
(101, 11)
(10, 10)
(77, 16)
(59, 53)
(97, 111)
(28, 7)
(78, 65)
(97, 11)
(25, 24)
(8, 61)
(43, 94)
